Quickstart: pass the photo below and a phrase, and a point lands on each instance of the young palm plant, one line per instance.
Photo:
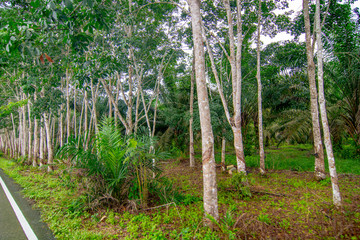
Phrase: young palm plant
(120, 163)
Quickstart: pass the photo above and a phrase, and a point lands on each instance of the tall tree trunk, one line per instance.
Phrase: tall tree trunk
(21, 132)
(48, 142)
(29, 133)
(13, 136)
(236, 88)
(223, 149)
(109, 102)
(61, 126)
(208, 159)
(324, 119)
(86, 134)
(111, 97)
(137, 111)
(191, 120)
(74, 117)
(318, 147)
(53, 132)
(94, 96)
(42, 142)
(258, 77)
(80, 120)
(36, 143)
(238, 138)
(68, 121)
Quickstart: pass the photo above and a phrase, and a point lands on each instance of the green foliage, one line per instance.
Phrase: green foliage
(264, 218)
(11, 107)
(241, 182)
(118, 167)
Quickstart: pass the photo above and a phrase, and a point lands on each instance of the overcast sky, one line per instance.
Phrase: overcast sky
(296, 6)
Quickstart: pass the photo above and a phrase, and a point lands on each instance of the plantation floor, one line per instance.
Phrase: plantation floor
(284, 205)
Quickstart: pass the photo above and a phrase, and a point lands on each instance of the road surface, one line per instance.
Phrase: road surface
(18, 221)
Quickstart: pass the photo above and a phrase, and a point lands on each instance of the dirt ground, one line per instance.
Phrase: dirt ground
(284, 204)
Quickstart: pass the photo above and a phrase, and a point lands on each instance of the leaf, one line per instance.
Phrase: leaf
(48, 58)
(42, 58)
(90, 3)
(69, 4)
(12, 38)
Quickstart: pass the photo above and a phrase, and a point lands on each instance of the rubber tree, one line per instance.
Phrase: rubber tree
(318, 146)
(208, 159)
(322, 104)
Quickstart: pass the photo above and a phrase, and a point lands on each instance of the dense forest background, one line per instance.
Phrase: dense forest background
(117, 87)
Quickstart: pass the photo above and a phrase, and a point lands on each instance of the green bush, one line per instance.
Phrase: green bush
(241, 182)
(119, 168)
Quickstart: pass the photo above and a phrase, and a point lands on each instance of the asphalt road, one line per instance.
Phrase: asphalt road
(19, 223)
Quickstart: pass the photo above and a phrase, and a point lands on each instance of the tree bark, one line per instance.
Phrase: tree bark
(258, 77)
(324, 119)
(48, 142)
(191, 120)
(94, 96)
(238, 138)
(86, 134)
(29, 133)
(42, 143)
(111, 97)
(36, 143)
(109, 102)
(223, 149)
(14, 137)
(318, 146)
(74, 117)
(61, 126)
(208, 159)
(68, 122)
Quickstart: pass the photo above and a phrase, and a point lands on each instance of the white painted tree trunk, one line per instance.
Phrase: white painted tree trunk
(208, 159)
(260, 114)
(324, 119)
(318, 146)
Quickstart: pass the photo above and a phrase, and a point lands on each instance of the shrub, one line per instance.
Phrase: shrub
(118, 167)
(241, 182)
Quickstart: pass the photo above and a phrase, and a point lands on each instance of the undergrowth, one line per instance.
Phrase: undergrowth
(282, 204)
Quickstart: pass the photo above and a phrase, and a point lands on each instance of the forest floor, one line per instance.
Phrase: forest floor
(284, 204)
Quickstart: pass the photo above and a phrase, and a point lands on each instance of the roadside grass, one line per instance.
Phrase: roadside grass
(286, 203)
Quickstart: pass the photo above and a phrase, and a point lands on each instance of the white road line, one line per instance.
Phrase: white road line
(20, 216)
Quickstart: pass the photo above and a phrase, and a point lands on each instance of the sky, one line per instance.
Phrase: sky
(296, 6)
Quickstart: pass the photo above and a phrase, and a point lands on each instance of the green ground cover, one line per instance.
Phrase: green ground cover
(282, 204)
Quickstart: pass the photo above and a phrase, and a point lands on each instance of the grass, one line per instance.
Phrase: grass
(295, 158)
(283, 204)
